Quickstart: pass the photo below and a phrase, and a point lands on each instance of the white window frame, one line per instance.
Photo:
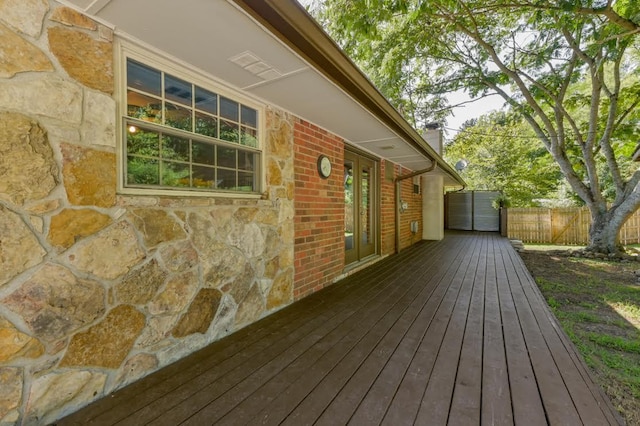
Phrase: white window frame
(151, 57)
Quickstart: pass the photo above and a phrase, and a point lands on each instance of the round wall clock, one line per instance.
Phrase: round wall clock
(324, 166)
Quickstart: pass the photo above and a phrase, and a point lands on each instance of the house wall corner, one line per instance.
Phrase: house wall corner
(97, 288)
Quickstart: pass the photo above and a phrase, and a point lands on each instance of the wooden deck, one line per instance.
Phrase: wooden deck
(450, 332)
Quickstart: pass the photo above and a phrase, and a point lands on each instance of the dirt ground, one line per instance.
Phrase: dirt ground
(590, 297)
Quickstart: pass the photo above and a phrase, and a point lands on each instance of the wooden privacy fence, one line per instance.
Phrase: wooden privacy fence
(562, 226)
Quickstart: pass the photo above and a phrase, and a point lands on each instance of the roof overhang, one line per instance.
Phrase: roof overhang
(275, 51)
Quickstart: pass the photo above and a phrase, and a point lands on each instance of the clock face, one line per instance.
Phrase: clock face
(324, 166)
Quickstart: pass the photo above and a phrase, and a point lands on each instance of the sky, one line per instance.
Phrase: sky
(470, 110)
(462, 113)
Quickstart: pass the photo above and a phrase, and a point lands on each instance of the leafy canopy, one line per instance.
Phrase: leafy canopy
(501, 154)
(569, 68)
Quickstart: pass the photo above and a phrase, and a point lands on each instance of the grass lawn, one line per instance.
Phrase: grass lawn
(598, 304)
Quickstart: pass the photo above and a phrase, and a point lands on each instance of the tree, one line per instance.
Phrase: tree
(500, 156)
(539, 56)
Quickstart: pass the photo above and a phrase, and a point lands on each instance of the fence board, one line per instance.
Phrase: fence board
(562, 226)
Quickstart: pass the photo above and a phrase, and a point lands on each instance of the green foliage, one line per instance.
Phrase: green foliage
(615, 342)
(503, 154)
(569, 69)
(606, 333)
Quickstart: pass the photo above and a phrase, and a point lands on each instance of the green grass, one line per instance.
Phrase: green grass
(599, 309)
(614, 342)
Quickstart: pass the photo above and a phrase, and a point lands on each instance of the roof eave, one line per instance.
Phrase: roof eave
(291, 23)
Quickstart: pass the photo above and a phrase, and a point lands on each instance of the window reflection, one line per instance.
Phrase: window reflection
(195, 155)
(349, 210)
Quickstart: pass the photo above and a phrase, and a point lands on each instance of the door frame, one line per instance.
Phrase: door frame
(355, 257)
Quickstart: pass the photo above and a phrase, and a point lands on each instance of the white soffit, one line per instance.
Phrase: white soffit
(221, 40)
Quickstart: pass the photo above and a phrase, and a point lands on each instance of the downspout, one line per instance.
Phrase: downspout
(397, 181)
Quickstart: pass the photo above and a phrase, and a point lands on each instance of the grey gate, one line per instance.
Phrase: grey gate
(472, 211)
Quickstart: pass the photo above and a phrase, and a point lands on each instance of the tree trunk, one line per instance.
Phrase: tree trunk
(604, 230)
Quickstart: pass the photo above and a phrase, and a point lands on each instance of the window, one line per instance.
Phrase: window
(180, 135)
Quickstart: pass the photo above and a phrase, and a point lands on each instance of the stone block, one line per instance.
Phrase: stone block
(156, 226)
(69, 226)
(281, 293)
(48, 96)
(107, 343)
(88, 61)
(89, 176)
(20, 249)
(18, 55)
(40, 207)
(176, 295)
(54, 394)
(201, 312)
(137, 367)
(70, 17)
(99, 124)
(29, 170)
(109, 254)
(54, 303)
(141, 284)
(248, 238)
(179, 257)
(274, 174)
(280, 134)
(11, 383)
(15, 344)
(251, 308)
(25, 16)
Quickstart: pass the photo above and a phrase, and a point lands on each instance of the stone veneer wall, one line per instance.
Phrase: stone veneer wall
(99, 289)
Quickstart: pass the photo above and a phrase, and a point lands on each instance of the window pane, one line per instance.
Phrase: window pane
(227, 157)
(177, 90)
(206, 125)
(142, 171)
(143, 78)
(177, 116)
(175, 174)
(206, 101)
(226, 179)
(245, 160)
(245, 181)
(142, 142)
(249, 137)
(204, 177)
(229, 131)
(228, 109)
(203, 153)
(216, 146)
(249, 116)
(144, 107)
(174, 148)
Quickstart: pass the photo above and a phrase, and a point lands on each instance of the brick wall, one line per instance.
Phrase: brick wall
(414, 212)
(387, 207)
(319, 210)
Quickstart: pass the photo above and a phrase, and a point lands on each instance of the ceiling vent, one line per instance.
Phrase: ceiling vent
(249, 61)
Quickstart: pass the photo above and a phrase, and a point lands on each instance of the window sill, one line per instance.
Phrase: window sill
(188, 194)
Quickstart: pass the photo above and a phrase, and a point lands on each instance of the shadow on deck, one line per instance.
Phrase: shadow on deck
(449, 332)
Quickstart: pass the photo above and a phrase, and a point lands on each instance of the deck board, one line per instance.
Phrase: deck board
(449, 332)
(496, 396)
